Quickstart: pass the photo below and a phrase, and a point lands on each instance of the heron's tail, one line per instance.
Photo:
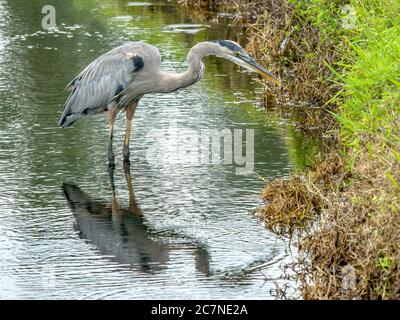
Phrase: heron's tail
(68, 117)
(74, 109)
(67, 120)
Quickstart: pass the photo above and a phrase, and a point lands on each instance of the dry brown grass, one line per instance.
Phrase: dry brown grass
(294, 50)
(290, 205)
(341, 223)
(359, 228)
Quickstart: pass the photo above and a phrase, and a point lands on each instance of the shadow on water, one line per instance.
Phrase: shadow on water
(121, 231)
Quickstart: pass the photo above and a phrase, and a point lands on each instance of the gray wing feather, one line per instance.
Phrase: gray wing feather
(96, 86)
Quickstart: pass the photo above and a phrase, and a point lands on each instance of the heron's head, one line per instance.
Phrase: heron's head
(232, 51)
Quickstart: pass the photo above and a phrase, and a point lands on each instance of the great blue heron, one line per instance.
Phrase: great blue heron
(117, 80)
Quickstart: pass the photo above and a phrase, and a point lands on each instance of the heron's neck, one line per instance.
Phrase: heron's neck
(170, 82)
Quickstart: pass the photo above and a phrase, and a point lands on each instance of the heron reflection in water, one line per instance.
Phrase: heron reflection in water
(122, 232)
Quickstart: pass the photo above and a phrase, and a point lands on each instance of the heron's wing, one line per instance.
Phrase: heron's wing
(107, 76)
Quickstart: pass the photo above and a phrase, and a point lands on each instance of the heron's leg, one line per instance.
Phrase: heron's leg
(130, 111)
(112, 113)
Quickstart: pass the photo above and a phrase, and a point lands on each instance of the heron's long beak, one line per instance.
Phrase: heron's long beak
(250, 64)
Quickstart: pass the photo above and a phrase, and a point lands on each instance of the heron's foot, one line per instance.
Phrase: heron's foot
(111, 165)
(111, 170)
(127, 166)
(111, 161)
(126, 154)
(126, 158)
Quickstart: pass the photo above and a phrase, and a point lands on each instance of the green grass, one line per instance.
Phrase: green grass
(371, 85)
(324, 14)
(369, 102)
(369, 116)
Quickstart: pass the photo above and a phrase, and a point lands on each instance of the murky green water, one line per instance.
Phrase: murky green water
(185, 230)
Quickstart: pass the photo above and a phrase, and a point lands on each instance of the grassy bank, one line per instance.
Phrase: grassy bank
(360, 217)
(343, 59)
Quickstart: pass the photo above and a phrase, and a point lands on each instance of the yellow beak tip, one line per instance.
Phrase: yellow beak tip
(272, 78)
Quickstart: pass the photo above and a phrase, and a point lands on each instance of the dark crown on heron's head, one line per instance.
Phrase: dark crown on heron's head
(231, 45)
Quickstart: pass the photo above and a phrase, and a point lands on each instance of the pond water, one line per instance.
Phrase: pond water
(172, 228)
